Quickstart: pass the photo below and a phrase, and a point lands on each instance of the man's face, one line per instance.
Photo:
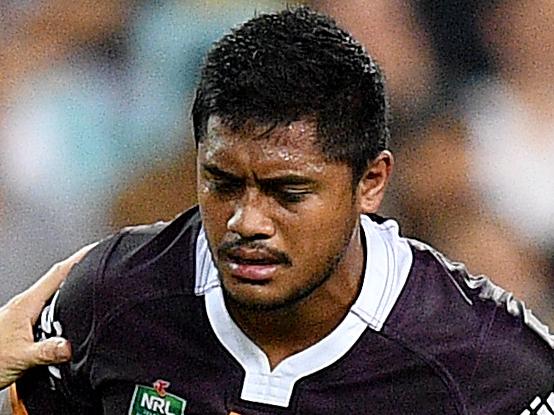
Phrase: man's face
(278, 216)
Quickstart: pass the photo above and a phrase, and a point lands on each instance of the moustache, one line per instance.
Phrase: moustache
(233, 249)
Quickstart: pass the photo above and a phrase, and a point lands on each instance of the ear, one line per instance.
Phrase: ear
(372, 185)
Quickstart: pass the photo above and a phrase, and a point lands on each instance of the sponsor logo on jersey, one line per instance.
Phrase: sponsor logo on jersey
(539, 406)
(156, 400)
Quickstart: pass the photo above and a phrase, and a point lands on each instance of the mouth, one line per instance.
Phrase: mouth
(254, 274)
(252, 266)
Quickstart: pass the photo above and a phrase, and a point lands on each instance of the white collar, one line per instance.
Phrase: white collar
(388, 262)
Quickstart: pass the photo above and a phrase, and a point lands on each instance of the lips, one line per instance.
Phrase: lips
(253, 273)
(252, 265)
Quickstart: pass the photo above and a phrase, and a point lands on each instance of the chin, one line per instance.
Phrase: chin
(260, 298)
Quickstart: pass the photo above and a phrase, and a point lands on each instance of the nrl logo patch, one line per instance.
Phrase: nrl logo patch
(156, 401)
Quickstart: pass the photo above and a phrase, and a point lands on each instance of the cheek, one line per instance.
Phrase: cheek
(319, 231)
(214, 216)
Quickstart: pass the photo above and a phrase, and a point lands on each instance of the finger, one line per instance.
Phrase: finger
(35, 296)
(50, 351)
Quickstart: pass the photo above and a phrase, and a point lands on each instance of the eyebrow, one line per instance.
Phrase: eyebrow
(288, 179)
(216, 171)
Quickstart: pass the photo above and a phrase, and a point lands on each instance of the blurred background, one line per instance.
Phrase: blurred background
(95, 133)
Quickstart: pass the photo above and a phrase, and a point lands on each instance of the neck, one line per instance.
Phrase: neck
(283, 332)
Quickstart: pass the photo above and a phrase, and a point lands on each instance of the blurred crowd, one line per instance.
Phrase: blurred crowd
(95, 131)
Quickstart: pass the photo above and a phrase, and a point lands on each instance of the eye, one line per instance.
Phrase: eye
(290, 195)
(224, 186)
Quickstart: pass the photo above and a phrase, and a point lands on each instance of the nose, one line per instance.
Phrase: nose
(250, 220)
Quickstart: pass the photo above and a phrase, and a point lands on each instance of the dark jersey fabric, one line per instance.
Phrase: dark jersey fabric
(453, 343)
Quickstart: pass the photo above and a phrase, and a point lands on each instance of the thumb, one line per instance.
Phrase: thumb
(50, 351)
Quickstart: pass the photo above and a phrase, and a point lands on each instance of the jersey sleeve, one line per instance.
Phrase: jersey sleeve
(66, 388)
(514, 371)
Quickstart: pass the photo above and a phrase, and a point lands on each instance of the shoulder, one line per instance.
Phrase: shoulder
(445, 292)
(137, 265)
(136, 262)
(486, 342)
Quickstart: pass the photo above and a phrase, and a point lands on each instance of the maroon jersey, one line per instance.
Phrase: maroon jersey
(146, 316)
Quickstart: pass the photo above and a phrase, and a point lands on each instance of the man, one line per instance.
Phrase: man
(283, 292)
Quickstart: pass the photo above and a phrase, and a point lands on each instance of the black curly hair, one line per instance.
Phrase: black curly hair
(297, 64)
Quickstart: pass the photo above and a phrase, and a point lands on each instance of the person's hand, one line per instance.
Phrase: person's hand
(18, 351)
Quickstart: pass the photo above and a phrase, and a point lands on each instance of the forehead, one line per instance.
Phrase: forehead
(295, 142)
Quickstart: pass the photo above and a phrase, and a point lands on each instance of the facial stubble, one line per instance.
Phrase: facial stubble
(294, 299)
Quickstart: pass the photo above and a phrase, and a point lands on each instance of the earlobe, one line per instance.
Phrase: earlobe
(371, 188)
